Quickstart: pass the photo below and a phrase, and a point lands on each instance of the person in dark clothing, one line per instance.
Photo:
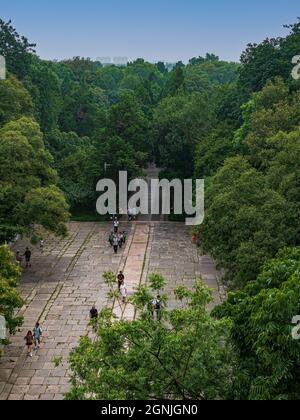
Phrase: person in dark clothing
(93, 313)
(121, 278)
(29, 342)
(27, 255)
(111, 238)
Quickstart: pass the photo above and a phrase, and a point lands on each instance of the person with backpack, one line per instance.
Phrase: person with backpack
(29, 342)
(157, 307)
(37, 336)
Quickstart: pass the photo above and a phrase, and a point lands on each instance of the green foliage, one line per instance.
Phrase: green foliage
(15, 100)
(16, 49)
(246, 222)
(271, 58)
(156, 282)
(187, 355)
(127, 121)
(57, 361)
(178, 123)
(262, 316)
(27, 193)
(10, 300)
(44, 86)
(77, 166)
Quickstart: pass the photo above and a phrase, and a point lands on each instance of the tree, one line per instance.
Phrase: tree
(246, 222)
(44, 87)
(186, 355)
(16, 49)
(270, 59)
(75, 159)
(15, 100)
(26, 172)
(179, 122)
(262, 315)
(272, 110)
(161, 67)
(213, 150)
(84, 110)
(10, 300)
(283, 170)
(176, 81)
(127, 120)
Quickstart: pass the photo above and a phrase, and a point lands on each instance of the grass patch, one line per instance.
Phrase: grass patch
(88, 216)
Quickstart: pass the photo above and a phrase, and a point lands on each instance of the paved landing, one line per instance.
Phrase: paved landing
(66, 280)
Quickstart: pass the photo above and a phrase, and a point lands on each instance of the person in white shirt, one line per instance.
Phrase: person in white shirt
(123, 291)
(116, 225)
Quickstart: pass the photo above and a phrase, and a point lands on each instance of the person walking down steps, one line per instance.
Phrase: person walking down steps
(27, 255)
(29, 342)
(121, 279)
(115, 244)
(123, 291)
(37, 336)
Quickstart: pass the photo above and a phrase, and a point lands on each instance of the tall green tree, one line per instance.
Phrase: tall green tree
(15, 102)
(16, 49)
(186, 355)
(10, 300)
(26, 176)
(262, 314)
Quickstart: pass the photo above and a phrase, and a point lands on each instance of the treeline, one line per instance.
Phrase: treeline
(251, 161)
(236, 125)
(88, 118)
(242, 134)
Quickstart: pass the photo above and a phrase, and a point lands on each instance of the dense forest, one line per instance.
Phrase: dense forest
(237, 125)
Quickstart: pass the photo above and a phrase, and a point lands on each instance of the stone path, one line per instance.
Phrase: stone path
(175, 256)
(59, 289)
(66, 281)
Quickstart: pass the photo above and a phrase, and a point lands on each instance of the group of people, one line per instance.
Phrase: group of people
(122, 290)
(33, 338)
(27, 255)
(155, 306)
(117, 239)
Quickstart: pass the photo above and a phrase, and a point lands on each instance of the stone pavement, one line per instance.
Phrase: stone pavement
(66, 280)
(133, 268)
(59, 290)
(173, 255)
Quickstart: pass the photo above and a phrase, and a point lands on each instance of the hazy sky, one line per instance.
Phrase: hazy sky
(166, 30)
